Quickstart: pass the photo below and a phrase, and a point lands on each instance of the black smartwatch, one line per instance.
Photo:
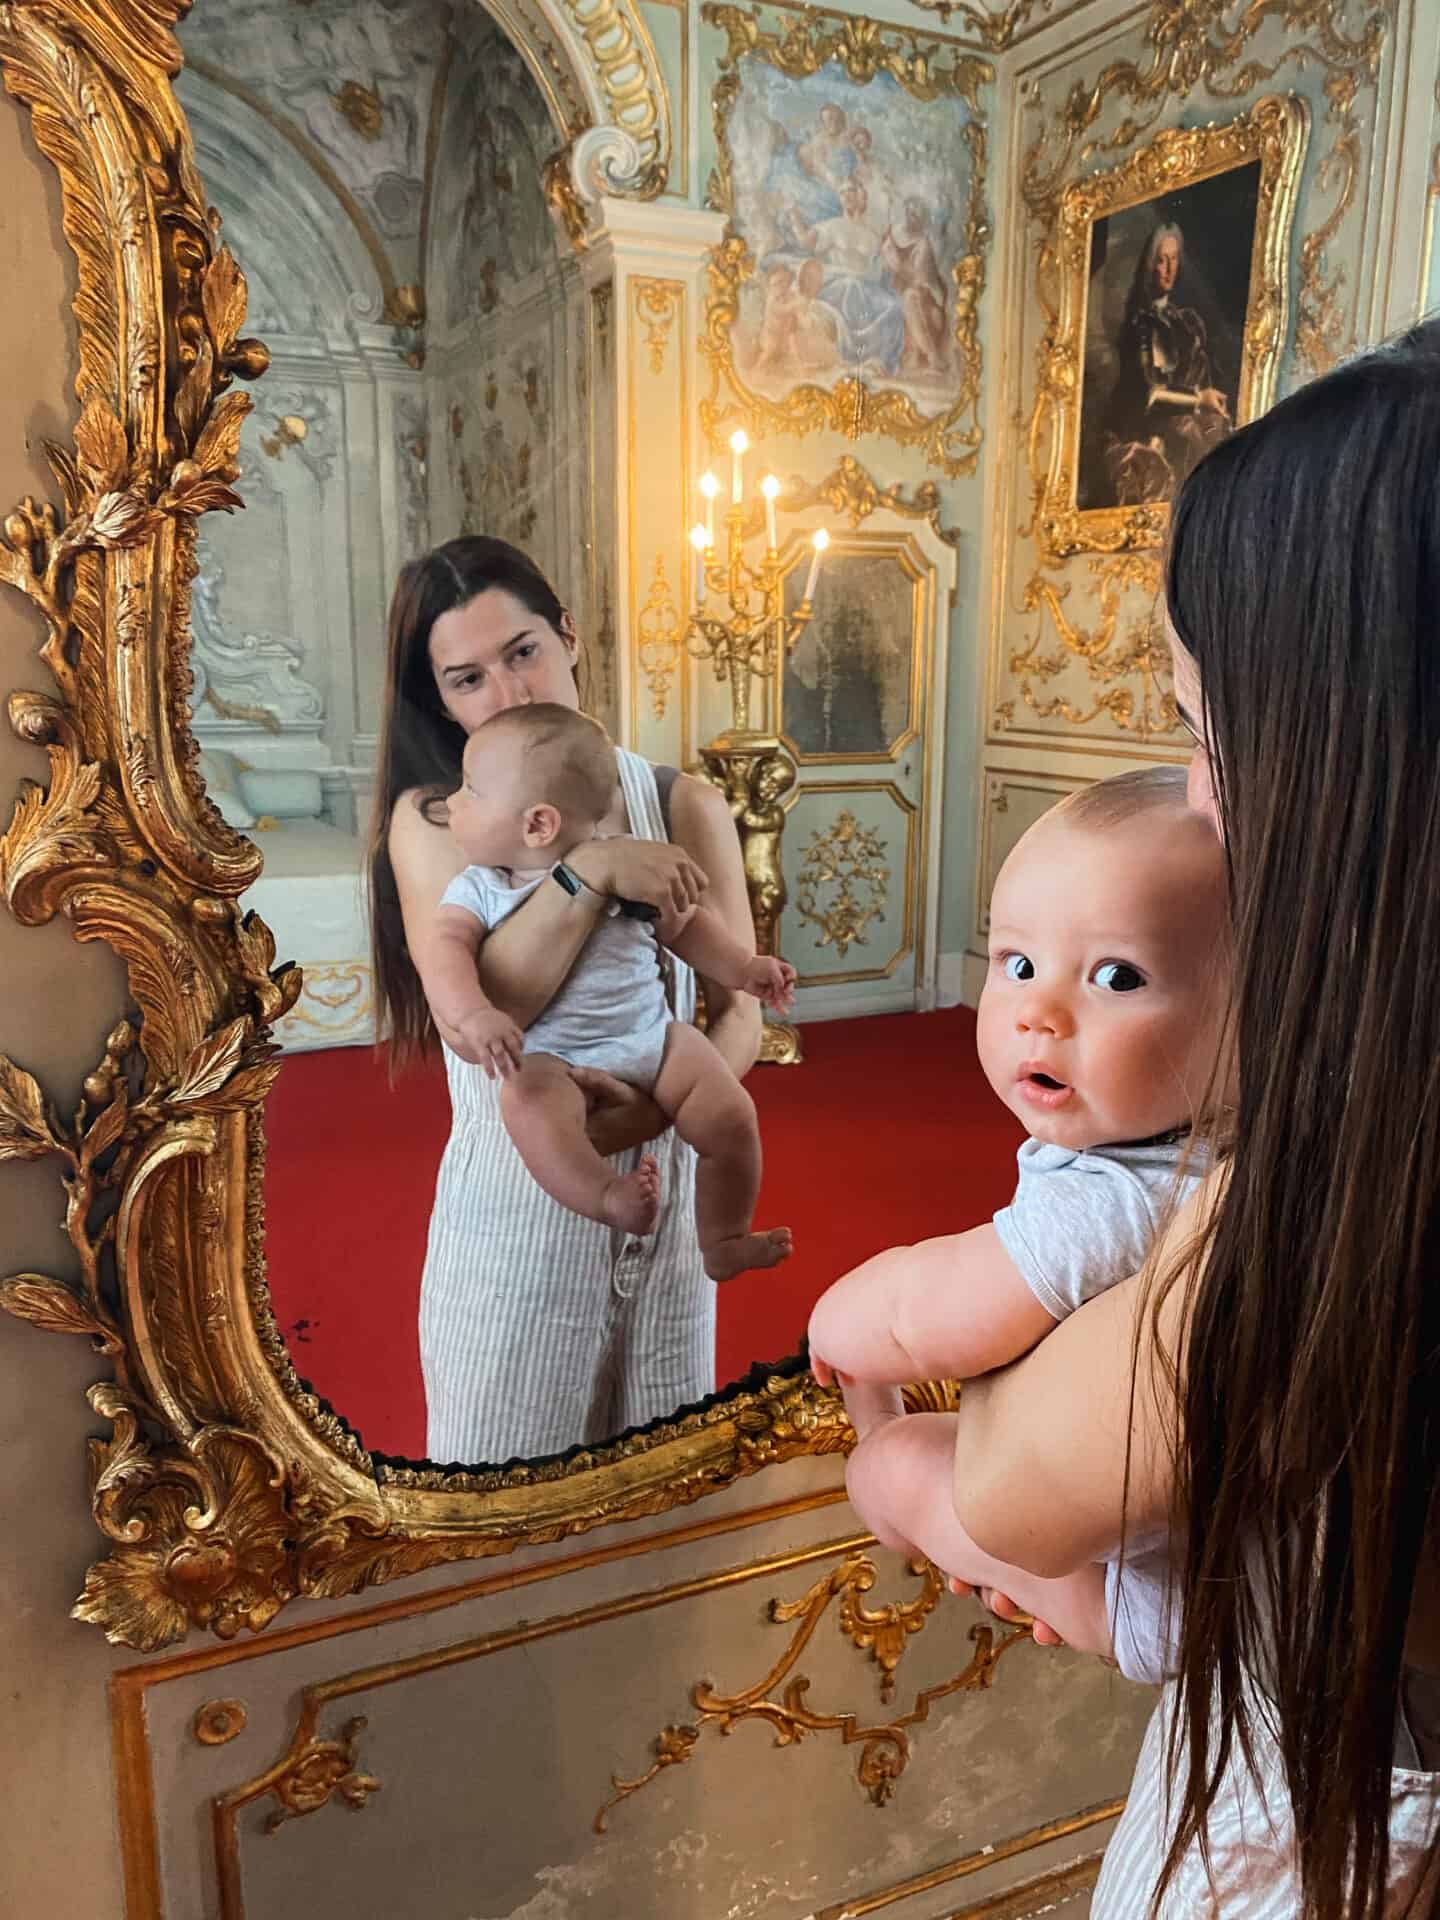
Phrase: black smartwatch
(571, 881)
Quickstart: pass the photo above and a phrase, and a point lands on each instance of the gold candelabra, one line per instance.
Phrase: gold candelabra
(749, 641)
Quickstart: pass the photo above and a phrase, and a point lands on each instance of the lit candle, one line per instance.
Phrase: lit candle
(770, 486)
(820, 540)
(709, 486)
(739, 442)
(699, 541)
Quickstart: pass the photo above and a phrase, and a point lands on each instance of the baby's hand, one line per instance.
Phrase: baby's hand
(491, 1039)
(771, 981)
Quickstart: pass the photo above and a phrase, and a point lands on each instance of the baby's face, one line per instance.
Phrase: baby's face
(485, 811)
(1100, 1017)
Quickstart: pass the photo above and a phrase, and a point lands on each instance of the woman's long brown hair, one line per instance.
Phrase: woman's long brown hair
(421, 747)
(1304, 579)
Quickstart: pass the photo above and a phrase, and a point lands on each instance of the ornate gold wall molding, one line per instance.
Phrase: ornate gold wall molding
(928, 70)
(1194, 51)
(843, 882)
(848, 490)
(884, 1746)
(659, 644)
(1129, 666)
(656, 304)
(1029, 1901)
(224, 1489)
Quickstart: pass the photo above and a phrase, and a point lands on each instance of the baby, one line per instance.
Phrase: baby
(1099, 1026)
(537, 781)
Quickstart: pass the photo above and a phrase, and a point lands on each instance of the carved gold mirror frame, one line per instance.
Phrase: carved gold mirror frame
(225, 1489)
(1273, 133)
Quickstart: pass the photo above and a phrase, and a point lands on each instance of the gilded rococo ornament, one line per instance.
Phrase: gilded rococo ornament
(224, 1488)
(927, 70)
(1195, 51)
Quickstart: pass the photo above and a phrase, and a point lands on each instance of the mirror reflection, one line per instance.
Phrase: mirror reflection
(468, 1268)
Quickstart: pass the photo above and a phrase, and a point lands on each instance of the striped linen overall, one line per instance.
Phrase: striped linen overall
(540, 1330)
(1251, 1839)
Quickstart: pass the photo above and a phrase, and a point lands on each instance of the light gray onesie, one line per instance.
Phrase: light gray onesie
(1080, 1222)
(610, 1011)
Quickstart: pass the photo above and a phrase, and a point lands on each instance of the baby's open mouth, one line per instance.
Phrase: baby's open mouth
(1045, 1080)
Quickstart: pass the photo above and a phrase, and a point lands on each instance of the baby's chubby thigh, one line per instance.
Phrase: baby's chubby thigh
(696, 1091)
(898, 1478)
(541, 1090)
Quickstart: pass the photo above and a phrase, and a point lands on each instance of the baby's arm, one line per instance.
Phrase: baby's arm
(899, 1481)
(447, 969)
(704, 942)
(945, 1309)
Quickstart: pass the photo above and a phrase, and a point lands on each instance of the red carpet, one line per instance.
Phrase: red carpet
(887, 1133)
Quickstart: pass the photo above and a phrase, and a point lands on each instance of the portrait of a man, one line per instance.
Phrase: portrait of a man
(1169, 285)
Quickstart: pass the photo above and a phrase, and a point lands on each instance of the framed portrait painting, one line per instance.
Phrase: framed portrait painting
(1174, 273)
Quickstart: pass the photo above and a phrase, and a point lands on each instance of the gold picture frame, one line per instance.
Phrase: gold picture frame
(224, 1488)
(927, 67)
(1270, 137)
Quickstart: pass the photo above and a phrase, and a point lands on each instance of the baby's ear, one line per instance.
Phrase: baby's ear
(542, 824)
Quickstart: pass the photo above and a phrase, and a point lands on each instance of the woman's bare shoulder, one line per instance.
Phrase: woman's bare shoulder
(699, 812)
(424, 856)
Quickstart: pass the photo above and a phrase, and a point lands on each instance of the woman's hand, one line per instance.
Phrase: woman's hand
(1004, 1608)
(617, 1115)
(651, 871)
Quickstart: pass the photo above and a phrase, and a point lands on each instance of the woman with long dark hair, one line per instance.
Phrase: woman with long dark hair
(539, 1330)
(1272, 1390)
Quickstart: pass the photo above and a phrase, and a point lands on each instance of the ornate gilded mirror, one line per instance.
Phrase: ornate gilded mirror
(416, 211)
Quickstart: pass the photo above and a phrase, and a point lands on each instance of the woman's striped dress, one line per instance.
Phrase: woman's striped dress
(1251, 1840)
(539, 1329)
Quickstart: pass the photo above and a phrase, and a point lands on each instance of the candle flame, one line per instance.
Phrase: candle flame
(820, 540)
(739, 441)
(698, 538)
(770, 486)
(709, 485)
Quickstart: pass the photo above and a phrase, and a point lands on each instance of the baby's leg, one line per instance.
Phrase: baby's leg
(899, 1480)
(713, 1113)
(544, 1114)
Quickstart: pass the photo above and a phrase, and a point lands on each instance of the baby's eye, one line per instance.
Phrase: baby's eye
(1018, 966)
(1118, 976)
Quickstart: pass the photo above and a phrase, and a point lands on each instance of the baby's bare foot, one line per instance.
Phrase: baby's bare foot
(729, 1257)
(632, 1200)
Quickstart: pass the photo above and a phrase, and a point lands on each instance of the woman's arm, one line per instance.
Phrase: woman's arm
(1040, 1450)
(524, 962)
(702, 824)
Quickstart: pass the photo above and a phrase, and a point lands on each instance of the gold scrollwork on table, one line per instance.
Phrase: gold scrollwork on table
(921, 65)
(1273, 133)
(843, 883)
(884, 1747)
(224, 1488)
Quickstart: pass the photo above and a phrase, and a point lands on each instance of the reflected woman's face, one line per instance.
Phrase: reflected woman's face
(493, 653)
(1189, 700)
